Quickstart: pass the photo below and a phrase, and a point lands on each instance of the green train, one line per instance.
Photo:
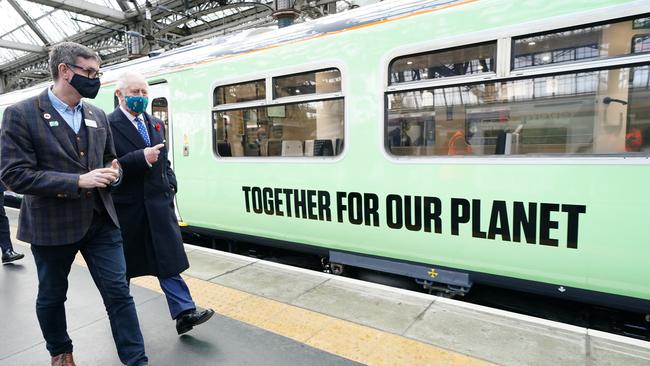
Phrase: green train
(457, 142)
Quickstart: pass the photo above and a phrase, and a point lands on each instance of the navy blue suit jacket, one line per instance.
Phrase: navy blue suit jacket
(144, 202)
(38, 160)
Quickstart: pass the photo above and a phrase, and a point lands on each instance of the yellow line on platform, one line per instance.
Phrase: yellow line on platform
(343, 338)
(349, 340)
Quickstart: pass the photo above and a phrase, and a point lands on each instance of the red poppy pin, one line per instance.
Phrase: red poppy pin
(157, 127)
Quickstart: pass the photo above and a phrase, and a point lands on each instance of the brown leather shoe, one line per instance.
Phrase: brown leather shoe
(64, 359)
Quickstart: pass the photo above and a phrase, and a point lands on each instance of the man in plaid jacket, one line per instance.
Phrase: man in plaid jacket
(58, 152)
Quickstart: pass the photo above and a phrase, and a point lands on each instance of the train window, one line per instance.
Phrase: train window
(468, 60)
(313, 128)
(594, 112)
(314, 82)
(581, 44)
(160, 109)
(238, 93)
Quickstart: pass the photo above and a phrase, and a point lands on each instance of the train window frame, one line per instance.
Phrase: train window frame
(448, 79)
(270, 101)
(214, 90)
(281, 99)
(504, 71)
(513, 39)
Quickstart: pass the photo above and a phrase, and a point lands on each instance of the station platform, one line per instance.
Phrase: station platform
(272, 314)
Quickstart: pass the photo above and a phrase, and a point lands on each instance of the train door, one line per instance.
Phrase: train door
(159, 107)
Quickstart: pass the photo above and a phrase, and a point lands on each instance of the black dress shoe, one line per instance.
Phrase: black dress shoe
(188, 320)
(10, 256)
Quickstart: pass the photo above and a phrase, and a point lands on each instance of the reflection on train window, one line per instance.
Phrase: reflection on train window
(641, 43)
(313, 128)
(238, 93)
(469, 60)
(586, 43)
(580, 113)
(160, 109)
(315, 82)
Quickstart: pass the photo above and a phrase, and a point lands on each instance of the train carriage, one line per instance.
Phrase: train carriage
(455, 142)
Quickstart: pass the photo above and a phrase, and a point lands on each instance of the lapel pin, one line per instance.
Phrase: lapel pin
(47, 116)
(54, 123)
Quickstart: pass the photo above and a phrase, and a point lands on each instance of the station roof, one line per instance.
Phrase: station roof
(32, 26)
(123, 30)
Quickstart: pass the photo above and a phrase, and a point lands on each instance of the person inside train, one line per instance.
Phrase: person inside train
(8, 253)
(57, 151)
(144, 201)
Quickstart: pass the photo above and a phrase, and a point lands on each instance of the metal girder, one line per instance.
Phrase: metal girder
(29, 21)
(255, 10)
(87, 8)
(122, 4)
(22, 46)
(244, 23)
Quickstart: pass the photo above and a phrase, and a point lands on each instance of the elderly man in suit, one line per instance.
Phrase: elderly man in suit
(144, 201)
(57, 150)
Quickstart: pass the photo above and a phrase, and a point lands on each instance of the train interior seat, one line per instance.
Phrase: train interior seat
(223, 149)
(323, 148)
(274, 148)
(339, 146)
(309, 147)
(292, 148)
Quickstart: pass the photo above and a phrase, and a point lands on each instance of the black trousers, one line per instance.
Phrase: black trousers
(5, 236)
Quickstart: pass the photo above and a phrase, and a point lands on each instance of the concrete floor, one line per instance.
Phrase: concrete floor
(220, 341)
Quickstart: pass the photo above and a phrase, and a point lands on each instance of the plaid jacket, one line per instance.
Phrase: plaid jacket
(38, 160)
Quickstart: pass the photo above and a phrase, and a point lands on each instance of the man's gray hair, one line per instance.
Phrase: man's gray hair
(124, 79)
(67, 53)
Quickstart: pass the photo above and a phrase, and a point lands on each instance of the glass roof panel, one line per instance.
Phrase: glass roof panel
(11, 20)
(58, 24)
(34, 10)
(7, 55)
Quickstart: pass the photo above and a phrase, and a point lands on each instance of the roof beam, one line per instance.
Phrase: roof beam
(29, 21)
(123, 5)
(86, 8)
(22, 46)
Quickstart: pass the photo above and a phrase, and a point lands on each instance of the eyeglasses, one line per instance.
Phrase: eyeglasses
(89, 73)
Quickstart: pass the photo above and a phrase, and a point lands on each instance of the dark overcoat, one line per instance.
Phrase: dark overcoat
(40, 161)
(144, 202)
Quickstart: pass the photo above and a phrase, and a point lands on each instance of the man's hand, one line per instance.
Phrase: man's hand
(151, 153)
(100, 178)
(115, 166)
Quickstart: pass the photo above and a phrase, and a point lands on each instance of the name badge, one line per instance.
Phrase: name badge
(91, 123)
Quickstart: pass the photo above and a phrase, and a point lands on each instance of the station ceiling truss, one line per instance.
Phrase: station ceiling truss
(135, 28)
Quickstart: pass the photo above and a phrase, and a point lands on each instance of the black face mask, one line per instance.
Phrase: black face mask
(87, 87)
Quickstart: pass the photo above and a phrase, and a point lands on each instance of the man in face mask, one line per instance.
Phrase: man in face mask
(144, 201)
(57, 150)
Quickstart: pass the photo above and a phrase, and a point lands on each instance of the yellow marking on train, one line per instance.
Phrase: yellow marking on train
(183, 224)
(433, 273)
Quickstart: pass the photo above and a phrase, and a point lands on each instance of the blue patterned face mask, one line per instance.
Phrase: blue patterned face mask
(136, 103)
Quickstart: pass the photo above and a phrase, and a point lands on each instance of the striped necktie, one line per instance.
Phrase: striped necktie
(143, 131)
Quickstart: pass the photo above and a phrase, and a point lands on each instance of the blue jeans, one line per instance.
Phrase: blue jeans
(177, 294)
(101, 247)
